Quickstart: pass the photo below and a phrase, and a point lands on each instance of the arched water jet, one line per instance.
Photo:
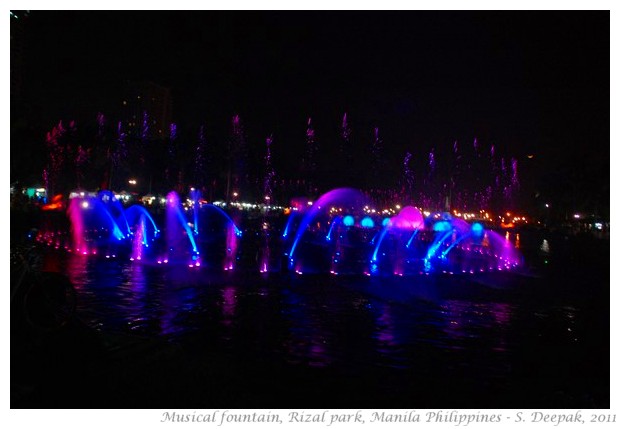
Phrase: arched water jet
(225, 216)
(176, 227)
(134, 214)
(89, 218)
(352, 198)
(288, 225)
(115, 208)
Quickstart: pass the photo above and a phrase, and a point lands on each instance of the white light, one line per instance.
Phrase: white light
(132, 181)
(85, 204)
(577, 216)
(547, 205)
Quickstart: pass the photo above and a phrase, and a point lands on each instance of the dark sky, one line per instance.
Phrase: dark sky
(529, 82)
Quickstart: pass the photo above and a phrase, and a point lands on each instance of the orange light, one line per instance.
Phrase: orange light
(55, 204)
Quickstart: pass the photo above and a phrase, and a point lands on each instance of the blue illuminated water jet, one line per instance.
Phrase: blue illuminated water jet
(335, 222)
(176, 227)
(346, 196)
(225, 216)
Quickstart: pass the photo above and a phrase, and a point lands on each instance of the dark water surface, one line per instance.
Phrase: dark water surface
(153, 336)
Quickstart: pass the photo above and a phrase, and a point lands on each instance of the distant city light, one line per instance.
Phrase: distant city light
(132, 181)
(577, 216)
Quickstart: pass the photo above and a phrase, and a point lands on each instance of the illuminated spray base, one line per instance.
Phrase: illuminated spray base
(322, 239)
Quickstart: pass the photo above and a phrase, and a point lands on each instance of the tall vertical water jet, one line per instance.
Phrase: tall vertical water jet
(378, 161)
(346, 166)
(195, 198)
(268, 182)
(236, 181)
(270, 173)
(117, 155)
(408, 178)
(309, 161)
(264, 254)
(78, 229)
(231, 248)
(203, 165)
(140, 241)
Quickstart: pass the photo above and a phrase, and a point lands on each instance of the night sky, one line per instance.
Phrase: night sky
(528, 82)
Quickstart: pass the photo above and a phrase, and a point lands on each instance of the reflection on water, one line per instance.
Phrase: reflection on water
(311, 331)
(309, 321)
